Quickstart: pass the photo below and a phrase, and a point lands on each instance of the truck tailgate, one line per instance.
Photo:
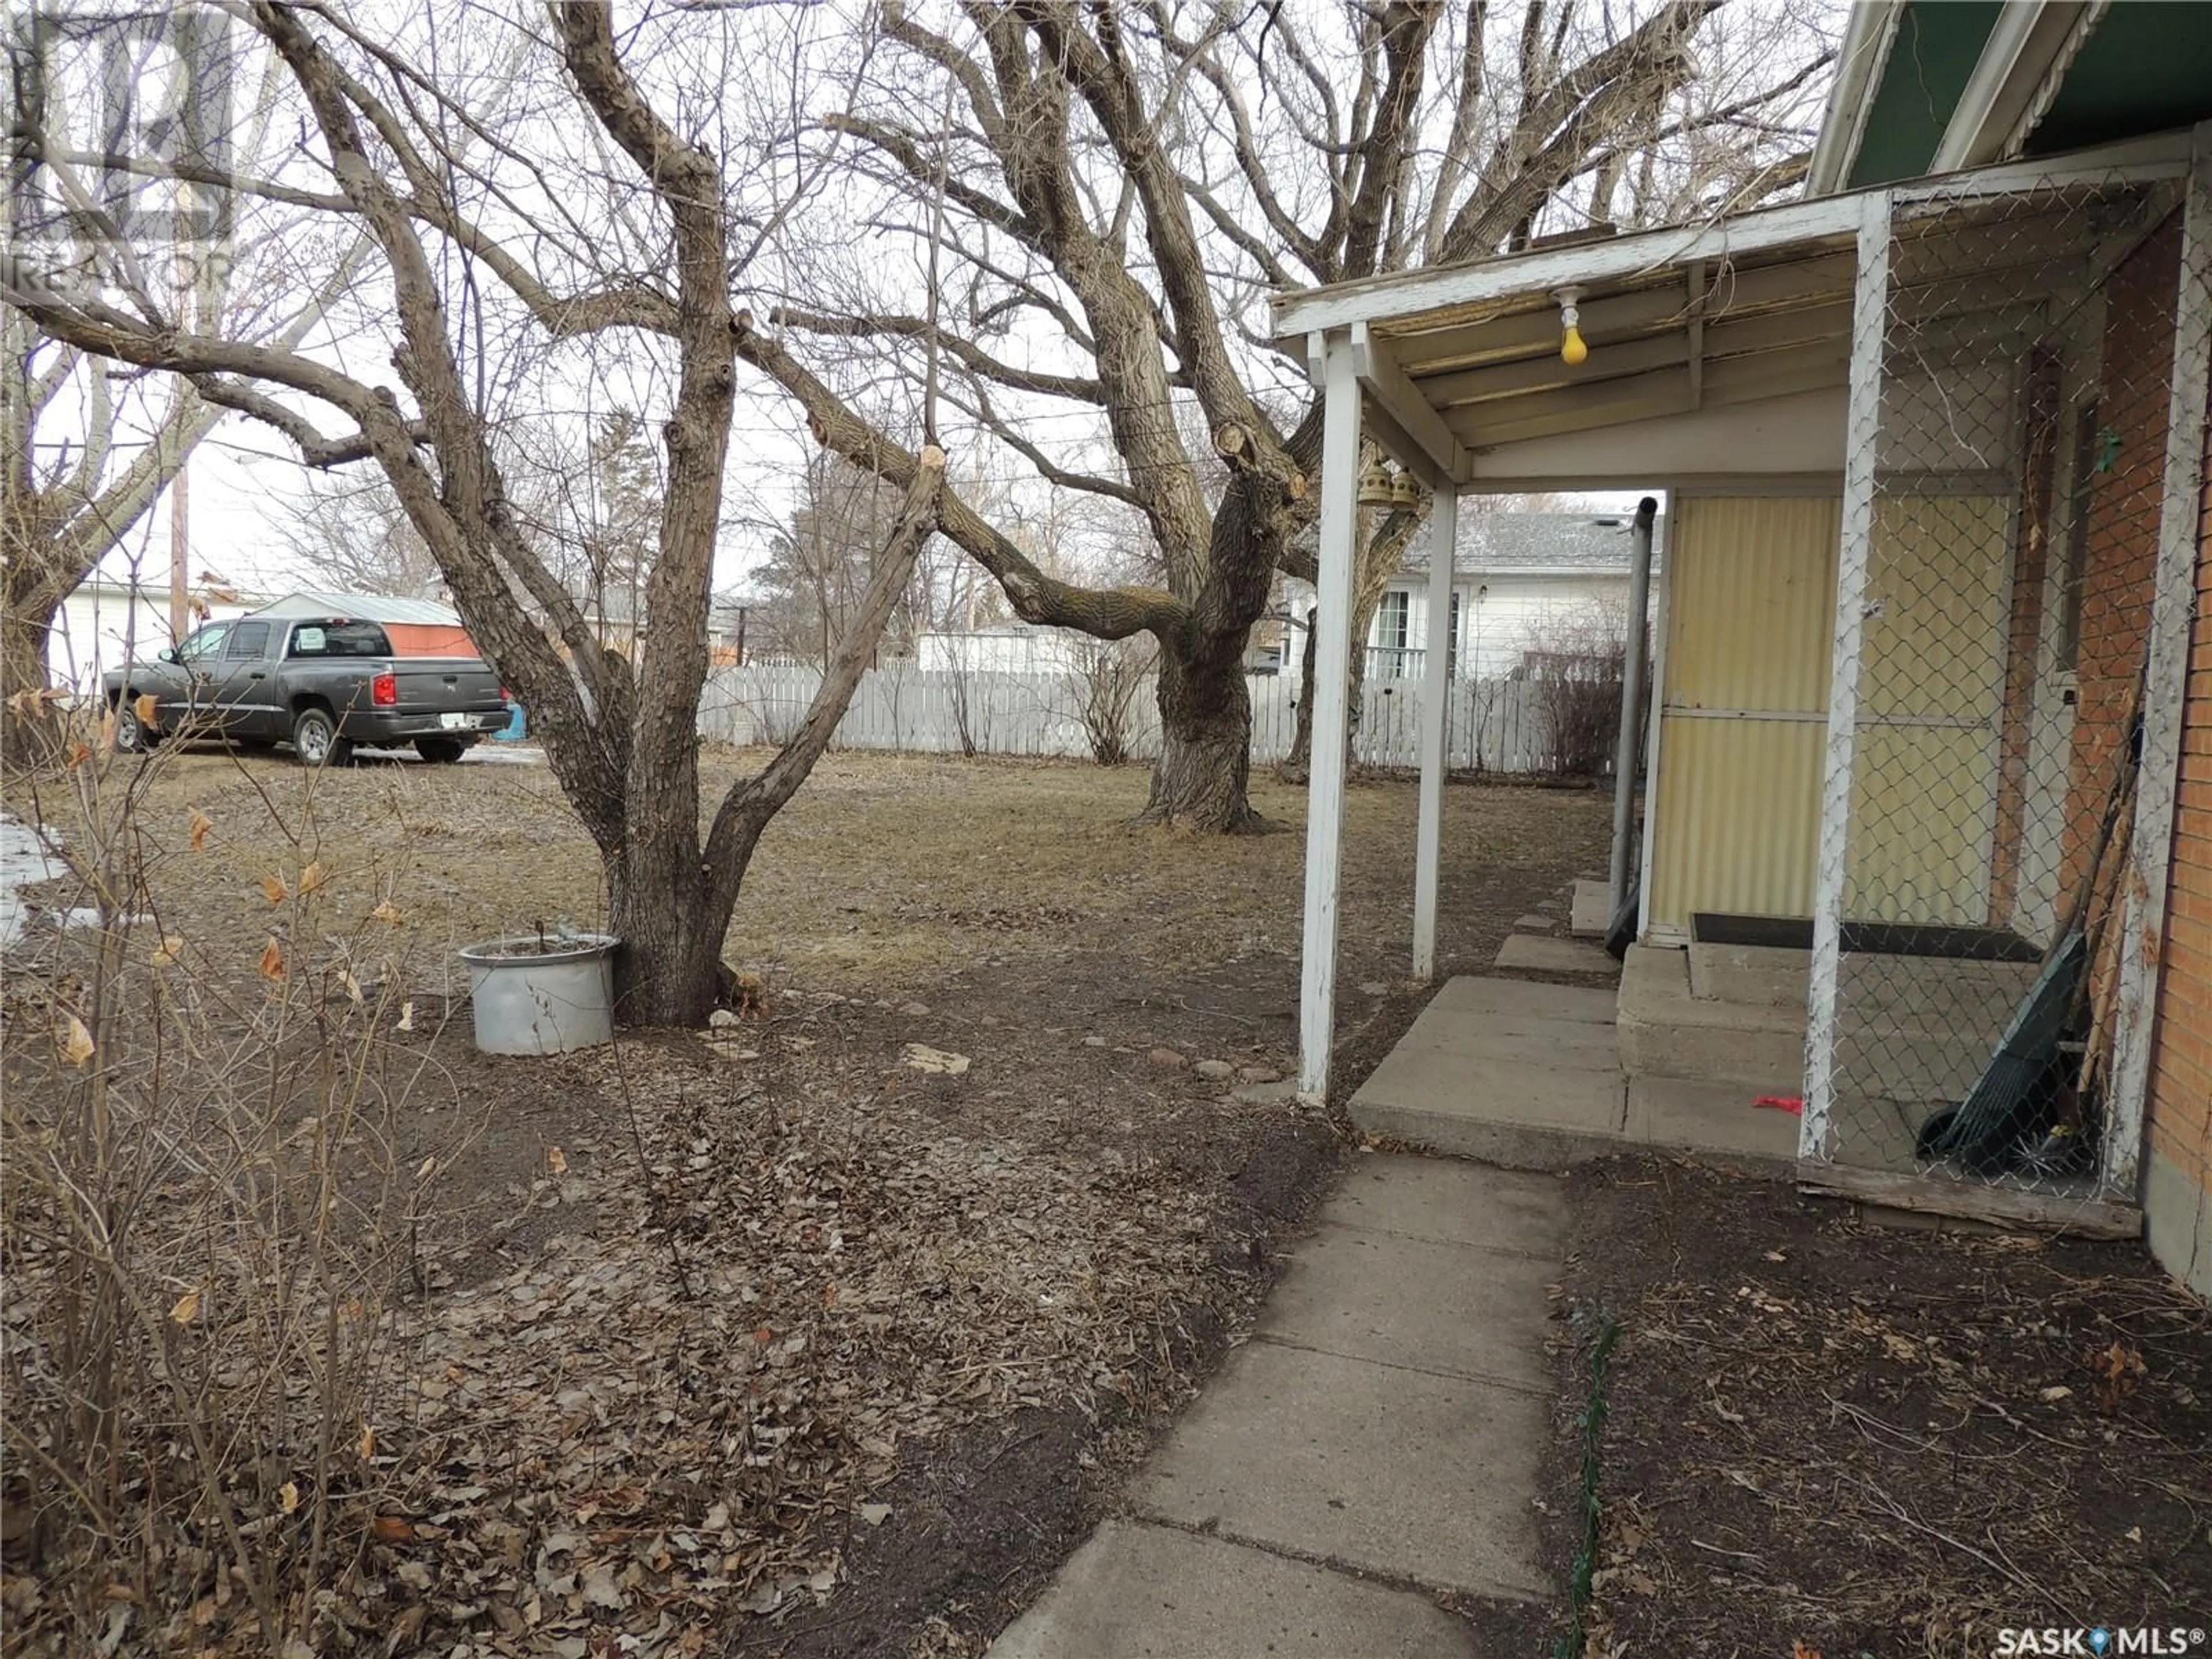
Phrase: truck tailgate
(441, 683)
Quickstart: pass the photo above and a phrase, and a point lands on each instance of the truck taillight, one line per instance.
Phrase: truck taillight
(506, 695)
(384, 690)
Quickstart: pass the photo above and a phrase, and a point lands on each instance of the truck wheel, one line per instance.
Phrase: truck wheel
(132, 735)
(316, 741)
(440, 751)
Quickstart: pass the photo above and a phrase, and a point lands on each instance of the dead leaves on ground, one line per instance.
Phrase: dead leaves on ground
(619, 1450)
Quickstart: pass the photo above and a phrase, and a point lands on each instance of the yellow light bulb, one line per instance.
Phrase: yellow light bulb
(1573, 350)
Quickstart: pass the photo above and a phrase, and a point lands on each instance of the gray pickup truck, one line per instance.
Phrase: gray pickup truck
(320, 683)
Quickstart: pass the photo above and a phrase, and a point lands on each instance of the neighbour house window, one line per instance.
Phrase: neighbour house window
(1390, 621)
(249, 640)
(1390, 660)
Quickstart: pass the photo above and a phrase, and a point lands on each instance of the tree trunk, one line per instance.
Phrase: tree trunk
(25, 735)
(1203, 778)
(1298, 765)
(671, 920)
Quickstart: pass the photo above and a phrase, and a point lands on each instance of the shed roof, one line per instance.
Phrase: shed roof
(364, 607)
(1538, 544)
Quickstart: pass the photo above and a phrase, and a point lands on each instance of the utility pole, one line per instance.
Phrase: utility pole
(180, 611)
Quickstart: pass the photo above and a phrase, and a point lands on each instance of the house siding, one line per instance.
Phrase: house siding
(1502, 617)
(2178, 1188)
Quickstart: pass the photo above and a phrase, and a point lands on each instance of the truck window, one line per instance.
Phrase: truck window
(248, 640)
(208, 642)
(339, 639)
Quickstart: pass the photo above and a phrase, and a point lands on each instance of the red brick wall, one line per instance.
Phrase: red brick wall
(2121, 553)
(2031, 554)
(2179, 1110)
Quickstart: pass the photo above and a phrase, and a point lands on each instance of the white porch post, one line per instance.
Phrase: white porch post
(1331, 695)
(1862, 436)
(1435, 696)
(2173, 596)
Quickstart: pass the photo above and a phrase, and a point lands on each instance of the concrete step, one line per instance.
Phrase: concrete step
(1713, 1119)
(1591, 912)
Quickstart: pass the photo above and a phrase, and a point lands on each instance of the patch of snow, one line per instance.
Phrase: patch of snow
(26, 858)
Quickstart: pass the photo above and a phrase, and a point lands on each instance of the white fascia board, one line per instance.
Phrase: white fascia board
(1408, 293)
(1866, 41)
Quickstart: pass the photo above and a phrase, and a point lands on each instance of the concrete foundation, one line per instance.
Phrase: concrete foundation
(2178, 1219)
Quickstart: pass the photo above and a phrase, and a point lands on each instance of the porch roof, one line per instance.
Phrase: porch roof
(1718, 348)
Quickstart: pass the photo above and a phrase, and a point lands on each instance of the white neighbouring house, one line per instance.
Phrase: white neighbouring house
(1000, 648)
(103, 623)
(1522, 583)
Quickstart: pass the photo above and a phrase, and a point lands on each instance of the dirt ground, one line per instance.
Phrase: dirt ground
(1829, 1436)
(791, 1336)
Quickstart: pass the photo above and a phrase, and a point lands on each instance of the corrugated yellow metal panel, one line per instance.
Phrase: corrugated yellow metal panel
(1751, 617)
(1938, 584)
(1751, 621)
(1739, 818)
(1923, 809)
(1924, 775)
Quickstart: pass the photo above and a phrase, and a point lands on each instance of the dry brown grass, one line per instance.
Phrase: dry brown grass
(885, 870)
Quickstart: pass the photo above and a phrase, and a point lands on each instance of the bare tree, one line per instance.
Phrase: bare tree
(89, 445)
(1127, 183)
(819, 564)
(597, 237)
(348, 529)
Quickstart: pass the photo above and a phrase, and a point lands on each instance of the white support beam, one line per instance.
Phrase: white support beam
(1436, 692)
(2131, 162)
(1331, 693)
(1436, 458)
(1861, 431)
(2150, 849)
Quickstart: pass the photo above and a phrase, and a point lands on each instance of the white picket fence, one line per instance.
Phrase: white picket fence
(1495, 725)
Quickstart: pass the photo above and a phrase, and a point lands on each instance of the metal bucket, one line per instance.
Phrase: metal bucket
(533, 997)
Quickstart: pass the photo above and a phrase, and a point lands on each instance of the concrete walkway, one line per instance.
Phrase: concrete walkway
(1374, 1444)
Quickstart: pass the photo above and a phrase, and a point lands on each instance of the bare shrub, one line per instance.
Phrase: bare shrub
(1105, 684)
(206, 1224)
(1575, 661)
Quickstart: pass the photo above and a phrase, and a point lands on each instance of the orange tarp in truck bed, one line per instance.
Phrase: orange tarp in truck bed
(430, 640)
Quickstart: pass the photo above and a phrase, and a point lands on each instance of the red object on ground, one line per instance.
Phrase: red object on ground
(1793, 1105)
